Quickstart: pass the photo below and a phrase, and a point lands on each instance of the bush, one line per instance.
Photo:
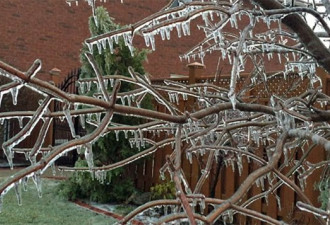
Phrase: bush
(81, 186)
(164, 190)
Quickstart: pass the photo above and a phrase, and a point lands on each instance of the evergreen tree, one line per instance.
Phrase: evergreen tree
(110, 148)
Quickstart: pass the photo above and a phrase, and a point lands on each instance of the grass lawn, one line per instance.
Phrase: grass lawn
(50, 209)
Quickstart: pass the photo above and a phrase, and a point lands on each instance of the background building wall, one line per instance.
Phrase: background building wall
(54, 32)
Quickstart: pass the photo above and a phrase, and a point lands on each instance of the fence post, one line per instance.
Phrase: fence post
(192, 170)
(55, 75)
(195, 71)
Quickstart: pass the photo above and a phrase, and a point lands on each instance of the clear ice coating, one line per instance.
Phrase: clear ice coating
(203, 135)
(36, 177)
(18, 192)
(89, 155)
(14, 93)
(69, 120)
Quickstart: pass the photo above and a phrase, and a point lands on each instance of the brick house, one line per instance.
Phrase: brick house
(54, 32)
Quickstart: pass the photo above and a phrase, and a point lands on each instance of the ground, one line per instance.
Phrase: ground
(50, 209)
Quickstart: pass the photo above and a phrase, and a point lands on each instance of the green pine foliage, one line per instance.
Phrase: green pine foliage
(83, 186)
(324, 187)
(108, 149)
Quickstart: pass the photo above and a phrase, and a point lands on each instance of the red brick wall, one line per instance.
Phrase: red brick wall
(54, 32)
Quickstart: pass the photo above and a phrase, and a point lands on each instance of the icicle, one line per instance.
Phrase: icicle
(37, 181)
(256, 137)
(176, 95)
(99, 47)
(112, 82)
(82, 120)
(18, 192)
(89, 155)
(257, 182)
(90, 47)
(232, 165)
(162, 33)
(141, 137)
(266, 199)
(251, 33)
(122, 100)
(136, 137)
(248, 159)
(278, 199)
(82, 87)
(152, 41)
(116, 38)
(128, 100)
(239, 164)
(286, 160)
(104, 43)
(229, 59)
(178, 28)
(20, 122)
(69, 119)
(162, 175)
(110, 43)
(14, 94)
(189, 157)
(202, 204)
(89, 85)
(230, 216)
(117, 135)
(232, 98)
(146, 39)
(24, 183)
(186, 28)
(279, 58)
(101, 176)
(233, 21)
(98, 117)
(9, 154)
(302, 182)
(269, 178)
(262, 183)
(98, 89)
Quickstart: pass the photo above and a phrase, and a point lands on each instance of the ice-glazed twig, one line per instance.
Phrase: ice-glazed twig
(98, 75)
(317, 139)
(311, 209)
(41, 138)
(145, 83)
(181, 195)
(245, 186)
(59, 150)
(25, 132)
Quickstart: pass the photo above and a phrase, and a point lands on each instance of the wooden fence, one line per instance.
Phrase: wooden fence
(223, 181)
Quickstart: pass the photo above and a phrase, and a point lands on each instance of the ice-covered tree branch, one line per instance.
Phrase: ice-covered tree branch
(264, 123)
